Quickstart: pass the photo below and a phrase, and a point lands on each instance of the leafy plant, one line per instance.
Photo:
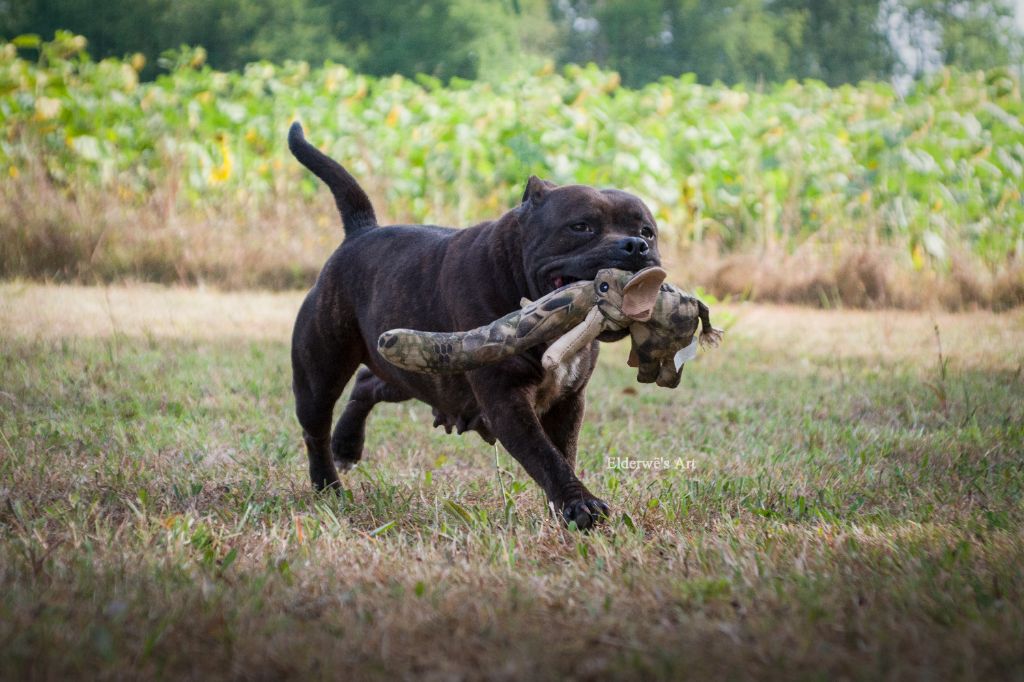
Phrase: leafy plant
(932, 173)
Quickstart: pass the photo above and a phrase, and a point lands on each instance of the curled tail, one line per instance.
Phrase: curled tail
(353, 204)
(709, 336)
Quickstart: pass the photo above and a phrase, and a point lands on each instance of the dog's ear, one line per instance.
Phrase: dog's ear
(537, 189)
(642, 291)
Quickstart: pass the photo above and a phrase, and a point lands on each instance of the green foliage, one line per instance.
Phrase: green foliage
(837, 41)
(734, 41)
(439, 38)
(750, 41)
(973, 34)
(443, 38)
(932, 172)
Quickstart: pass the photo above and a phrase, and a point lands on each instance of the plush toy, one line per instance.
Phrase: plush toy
(662, 321)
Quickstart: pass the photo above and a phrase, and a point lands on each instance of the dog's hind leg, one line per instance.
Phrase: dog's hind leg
(350, 431)
(320, 369)
(316, 392)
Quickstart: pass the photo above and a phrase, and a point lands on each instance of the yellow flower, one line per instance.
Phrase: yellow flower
(13, 172)
(222, 173)
(917, 257)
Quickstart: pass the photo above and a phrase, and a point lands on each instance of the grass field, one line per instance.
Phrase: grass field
(848, 505)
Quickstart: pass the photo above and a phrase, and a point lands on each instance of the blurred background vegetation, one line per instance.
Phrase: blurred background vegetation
(736, 41)
(859, 153)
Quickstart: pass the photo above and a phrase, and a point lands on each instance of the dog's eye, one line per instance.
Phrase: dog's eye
(646, 232)
(581, 227)
(603, 287)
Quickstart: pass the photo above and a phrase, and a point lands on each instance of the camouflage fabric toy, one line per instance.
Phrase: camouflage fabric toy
(662, 321)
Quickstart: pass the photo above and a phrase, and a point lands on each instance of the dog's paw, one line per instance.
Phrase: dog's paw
(347, 452)
(585, 513)
(344, 465)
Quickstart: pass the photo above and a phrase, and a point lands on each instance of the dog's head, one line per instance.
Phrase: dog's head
(571, 232)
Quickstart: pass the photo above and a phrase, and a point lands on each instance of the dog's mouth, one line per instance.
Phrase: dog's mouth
(559, 281)
(558, 277)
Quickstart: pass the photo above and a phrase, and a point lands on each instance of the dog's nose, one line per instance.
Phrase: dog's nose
(633, 246)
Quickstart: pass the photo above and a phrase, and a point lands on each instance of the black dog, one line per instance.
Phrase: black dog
(441, 279)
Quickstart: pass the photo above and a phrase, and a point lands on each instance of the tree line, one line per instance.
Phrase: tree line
(735, 41)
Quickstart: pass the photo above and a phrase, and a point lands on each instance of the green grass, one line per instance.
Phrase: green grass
(851, 511)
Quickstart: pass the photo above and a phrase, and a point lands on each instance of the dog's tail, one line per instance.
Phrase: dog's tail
(353, 204)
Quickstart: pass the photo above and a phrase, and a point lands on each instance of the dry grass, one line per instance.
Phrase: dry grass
(78, 236)
(974, 340)
(854, 510)
(280, 242)
(33, 311)
(860, 277)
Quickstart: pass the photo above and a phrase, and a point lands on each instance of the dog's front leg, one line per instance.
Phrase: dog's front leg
(562, 423)
(509, 410)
